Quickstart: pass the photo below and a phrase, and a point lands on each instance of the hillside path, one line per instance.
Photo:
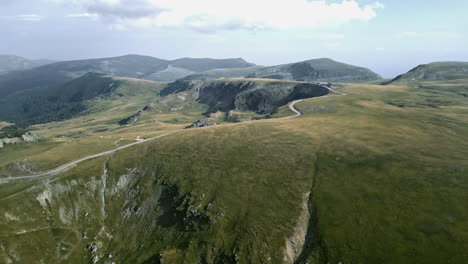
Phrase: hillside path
(68, 165)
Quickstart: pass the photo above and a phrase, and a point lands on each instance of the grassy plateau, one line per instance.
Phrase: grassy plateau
(377, 176)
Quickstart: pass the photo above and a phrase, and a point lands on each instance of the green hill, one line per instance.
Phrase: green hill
(9, 63)
(435, 71)
(169, 74)
(133, 66)
(206, 64)
(356, 179)
(56, 74)
(224, 73)
(46, 104)
(322, 70)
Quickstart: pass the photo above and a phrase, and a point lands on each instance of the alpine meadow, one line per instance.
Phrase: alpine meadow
(289, 132)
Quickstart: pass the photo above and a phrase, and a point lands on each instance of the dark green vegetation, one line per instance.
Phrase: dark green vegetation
(261, 96)
(53, 92)
(134, 66)
(12, 132)
(43, 105)
(9, 63)
(376, 176)
(326, 70)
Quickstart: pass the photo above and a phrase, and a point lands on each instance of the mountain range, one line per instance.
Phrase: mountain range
(9, 63)
(309, 162)
(52, 92)
(133, 66)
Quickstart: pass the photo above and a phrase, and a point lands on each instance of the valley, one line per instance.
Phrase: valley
(233, 132)
(290, 171)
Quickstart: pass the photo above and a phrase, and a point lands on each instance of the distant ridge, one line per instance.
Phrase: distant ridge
(323, 69)
(134, 66)
(9, 63)
(444, 70)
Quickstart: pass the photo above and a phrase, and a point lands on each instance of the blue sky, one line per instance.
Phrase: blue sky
(389, 37)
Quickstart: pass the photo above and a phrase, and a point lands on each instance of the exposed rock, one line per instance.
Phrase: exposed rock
(295, 242)
(9, 141)
(200, 123)
(148, 107)
(233, 117)
(21, 167)
(216, 115)
(177, 108)
(180, 86)
(246, 95)
(132, 119)
(29, 137)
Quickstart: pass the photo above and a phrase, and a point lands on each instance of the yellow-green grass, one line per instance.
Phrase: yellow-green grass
(386, 175)
(5, 124)
(97, 129)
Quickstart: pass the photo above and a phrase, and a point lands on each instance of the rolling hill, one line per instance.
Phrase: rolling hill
(435, 71)
(133, 66)
(224, 73)
(43, 94)
(317, 70)
(359, 178)
(50, 104)
(181, 68)
(9, 63)
(56, 74)
(206, 64)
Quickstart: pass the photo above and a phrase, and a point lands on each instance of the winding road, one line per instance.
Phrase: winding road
(66, 166)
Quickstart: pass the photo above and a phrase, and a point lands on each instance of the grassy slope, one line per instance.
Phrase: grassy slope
(97, 129)
(390, 181)
(435, 71)
(388, 185)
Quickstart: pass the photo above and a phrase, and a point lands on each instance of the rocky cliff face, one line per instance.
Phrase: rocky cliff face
(248, 95)
(163, 203)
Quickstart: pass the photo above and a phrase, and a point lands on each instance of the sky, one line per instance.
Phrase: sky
(388, 36)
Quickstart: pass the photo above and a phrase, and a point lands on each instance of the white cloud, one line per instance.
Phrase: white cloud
(82, 15)
(30, 17)
(213, 15)
(431, 35)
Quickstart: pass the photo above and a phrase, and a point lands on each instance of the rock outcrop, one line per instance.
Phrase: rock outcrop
(263, 97)
(27, 137)
(134, 118)
(200, 123)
